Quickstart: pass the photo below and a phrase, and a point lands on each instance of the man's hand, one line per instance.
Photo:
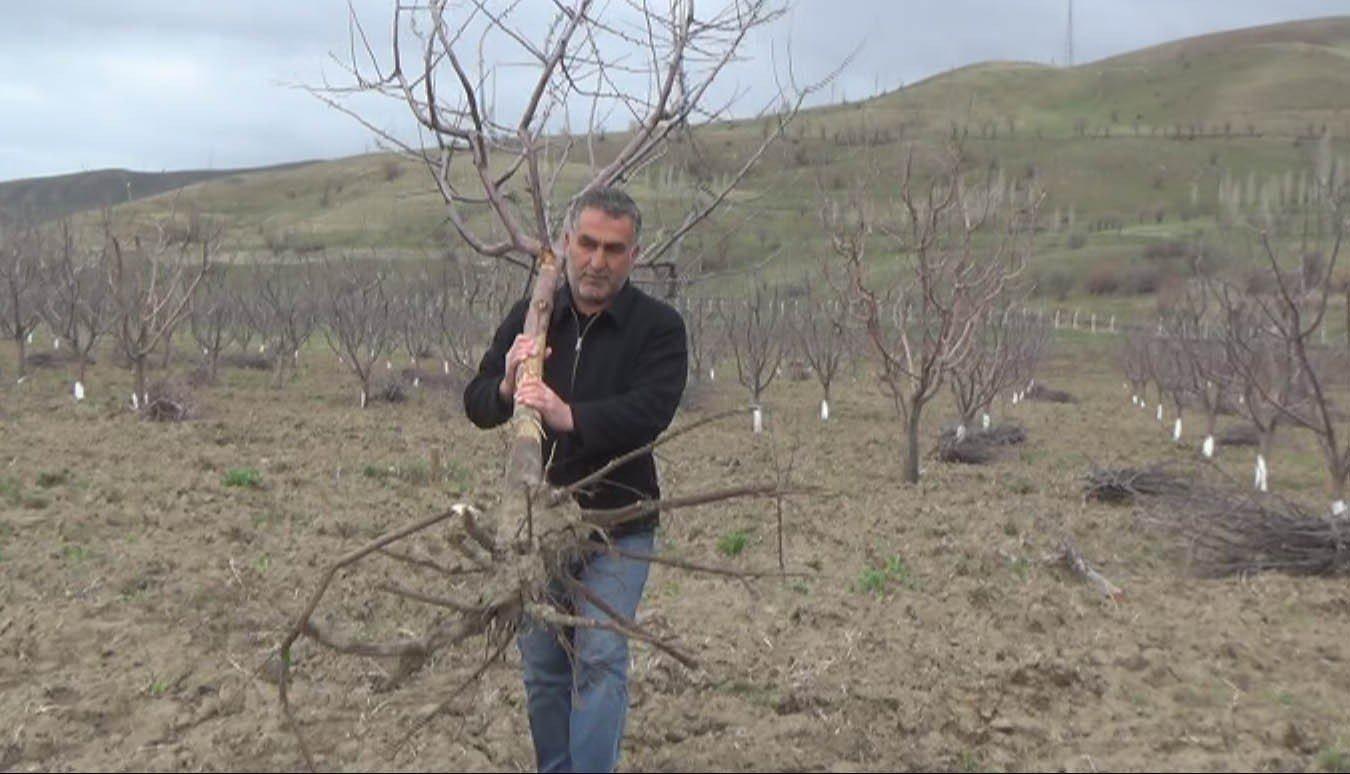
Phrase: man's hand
(522, 349)
(534, 394)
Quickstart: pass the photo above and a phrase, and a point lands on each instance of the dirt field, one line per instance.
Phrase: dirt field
(139, 592)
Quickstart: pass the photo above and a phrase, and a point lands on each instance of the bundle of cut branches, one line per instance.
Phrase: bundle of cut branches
(168, 401)
(390, 392)
(1047, 395)
(47, 359)
(970, 450)
(1231, 533)
(1238, 435)
(976, 447)
(247, 360)
(1121, 486)
(1004, 435)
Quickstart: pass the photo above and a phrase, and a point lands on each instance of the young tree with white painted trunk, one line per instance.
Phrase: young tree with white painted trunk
(1291, 317)
(356, 319)
(1004, 352)
(284, 307)
(212, 317)
(950, 260)
(820, 327)
(757, 330)
(152, 276)
(76, 308)
(21, 290)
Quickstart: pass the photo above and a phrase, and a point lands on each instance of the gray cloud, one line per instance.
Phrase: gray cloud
(165, 84)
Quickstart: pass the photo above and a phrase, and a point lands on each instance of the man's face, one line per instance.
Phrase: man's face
(600, 254)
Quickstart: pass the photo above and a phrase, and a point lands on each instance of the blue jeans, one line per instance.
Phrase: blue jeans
(578, 702)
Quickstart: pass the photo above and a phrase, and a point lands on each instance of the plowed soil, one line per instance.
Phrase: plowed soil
(139, 593)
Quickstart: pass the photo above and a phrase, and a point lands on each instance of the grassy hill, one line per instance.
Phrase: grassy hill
(59, 195)
(1131, 150)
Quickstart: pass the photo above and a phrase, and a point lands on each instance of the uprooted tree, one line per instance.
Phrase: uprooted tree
(497, 177)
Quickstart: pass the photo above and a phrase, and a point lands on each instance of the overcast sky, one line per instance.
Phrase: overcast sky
(178, 84)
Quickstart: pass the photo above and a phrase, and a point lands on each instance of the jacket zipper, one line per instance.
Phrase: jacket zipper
(576, 352)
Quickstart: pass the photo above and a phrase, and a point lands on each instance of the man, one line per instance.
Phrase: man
(613, 373)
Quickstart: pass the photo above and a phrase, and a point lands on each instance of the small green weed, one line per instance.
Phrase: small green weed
(74, 552)
(871, 581)
(419, 473)
(969, 761)
(1333, 758)
(157, 688)
(733, 543)
(1021, 567)
(878, 580)
(262, 563)
(244, 477)
(10, 490)
(48, 479)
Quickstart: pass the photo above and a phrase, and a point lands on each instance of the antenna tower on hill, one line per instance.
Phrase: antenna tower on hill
(1068, 39)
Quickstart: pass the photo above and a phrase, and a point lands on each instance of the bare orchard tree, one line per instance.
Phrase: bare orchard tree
(21, 249)
(700, 326)
(821, 330)
(283, 306)
(417, 306)
(76, 307)
(956, 242)
(1265, 376)
(1292, 315)
(1135, 360)
(1200, 362)
(356, 318)
(213, 316)
(757, 329)
(151, 278)
(1003, 355)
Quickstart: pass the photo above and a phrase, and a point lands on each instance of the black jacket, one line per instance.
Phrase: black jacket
(622, 371)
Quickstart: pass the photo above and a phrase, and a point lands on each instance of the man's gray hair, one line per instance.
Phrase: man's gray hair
(609, 200)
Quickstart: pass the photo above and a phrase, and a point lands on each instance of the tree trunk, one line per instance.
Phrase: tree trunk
(526, 465)
(140, 380)
(22, 347)
(168, 349)
(911, 460)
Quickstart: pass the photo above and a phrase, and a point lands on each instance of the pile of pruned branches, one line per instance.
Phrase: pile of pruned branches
(1045, 394)
(1122, 486)
(1232, 533)
(977, 447)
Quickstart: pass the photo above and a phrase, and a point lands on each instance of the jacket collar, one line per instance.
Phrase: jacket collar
(619, 311)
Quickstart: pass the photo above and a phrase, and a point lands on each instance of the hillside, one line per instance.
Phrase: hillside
(1142, 147)
(59, 195)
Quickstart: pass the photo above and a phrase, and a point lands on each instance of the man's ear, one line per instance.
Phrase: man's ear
(636, 250)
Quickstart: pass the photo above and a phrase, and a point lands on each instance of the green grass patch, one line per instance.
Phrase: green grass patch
(1334, 758)
(249, 478)
(879, 580)
(733, 543)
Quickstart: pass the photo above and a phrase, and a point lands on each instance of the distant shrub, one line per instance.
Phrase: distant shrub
(1077, 240)
(1055, 283)
(1168, 250)
(1102, 281)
